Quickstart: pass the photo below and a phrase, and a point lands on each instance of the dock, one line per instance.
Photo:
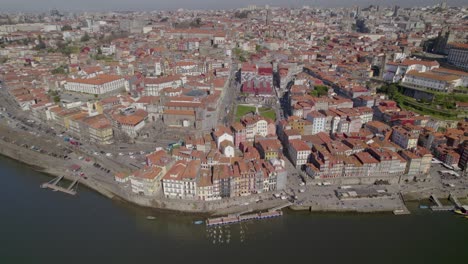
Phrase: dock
(233, 219)
(439, 207)
(53, 184)
(442, 208)
(455, 200)
(436, 200)
(402, 211)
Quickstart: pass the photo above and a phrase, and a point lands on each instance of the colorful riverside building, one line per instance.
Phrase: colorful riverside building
(359, 168)
(189, 181)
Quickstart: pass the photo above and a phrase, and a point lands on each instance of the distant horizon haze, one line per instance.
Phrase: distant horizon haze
(150, 5)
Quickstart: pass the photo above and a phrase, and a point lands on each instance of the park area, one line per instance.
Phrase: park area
(243, 110)
(441, 105)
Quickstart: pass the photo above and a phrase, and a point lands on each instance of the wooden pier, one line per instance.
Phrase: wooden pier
(232, 219)
(53, 184)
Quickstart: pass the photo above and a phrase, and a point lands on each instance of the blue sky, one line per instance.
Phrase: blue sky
(92, 5)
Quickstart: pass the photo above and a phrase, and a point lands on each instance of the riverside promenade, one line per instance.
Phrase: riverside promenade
(15, 143)
(103, 183)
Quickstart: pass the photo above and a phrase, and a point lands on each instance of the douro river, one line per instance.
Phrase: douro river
(42, 226)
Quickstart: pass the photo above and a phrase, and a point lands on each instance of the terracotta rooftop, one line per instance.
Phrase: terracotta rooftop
(179, 112)
(148, 173)
(299, 145)
(433, 76)
(98, 80)
(132, 119)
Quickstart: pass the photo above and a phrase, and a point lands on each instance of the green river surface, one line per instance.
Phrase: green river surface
(42, 226)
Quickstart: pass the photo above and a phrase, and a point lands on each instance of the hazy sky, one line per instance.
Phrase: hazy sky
(91, 5)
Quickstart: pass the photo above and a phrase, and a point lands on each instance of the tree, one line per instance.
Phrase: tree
(237, 51)
(319, 91)
(392, 90)
(66, 28)
(26, 41)
(85, 37)
(57, 98)
(41, 45)
(60, 70)
(243, 14)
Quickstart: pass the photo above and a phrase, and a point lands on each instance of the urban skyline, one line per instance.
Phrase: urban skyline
(141, 5)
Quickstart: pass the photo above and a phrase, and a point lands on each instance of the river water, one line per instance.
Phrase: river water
(42, 226)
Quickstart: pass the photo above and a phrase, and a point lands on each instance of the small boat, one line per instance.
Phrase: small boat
(400, 212)
(150, 217)
(462, 211)
(423, 207)
(198, 222)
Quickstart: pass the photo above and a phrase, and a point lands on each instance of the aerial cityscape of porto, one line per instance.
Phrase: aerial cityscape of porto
(253, 132)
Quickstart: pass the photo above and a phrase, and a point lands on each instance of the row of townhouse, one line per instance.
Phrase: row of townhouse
(448, 146)
(333, 120)
(251, 127)
(362, 167)
(30, 98)
(359, 157)
(302, 104)
(189, 179)
(96, 127)
(404, 137)
(147, 180)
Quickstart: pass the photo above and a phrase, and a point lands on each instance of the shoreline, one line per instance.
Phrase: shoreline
(94, 188)
(54, 167)
(36, 162)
